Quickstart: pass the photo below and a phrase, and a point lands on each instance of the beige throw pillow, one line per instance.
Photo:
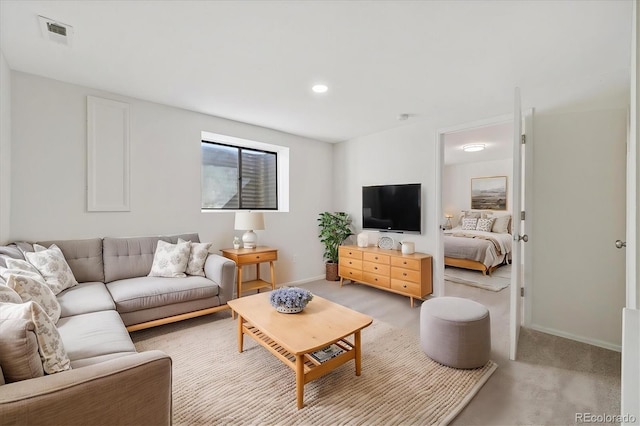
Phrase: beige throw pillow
(51, 263)
(170, 260)
(197, 257)
(20, 267)
(32, 289)
(50, 347)
(501, 224)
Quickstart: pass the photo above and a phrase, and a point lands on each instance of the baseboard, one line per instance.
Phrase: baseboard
(582, 339)
(304, 280)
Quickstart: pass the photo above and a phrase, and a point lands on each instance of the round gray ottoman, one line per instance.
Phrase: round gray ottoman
(455, 332)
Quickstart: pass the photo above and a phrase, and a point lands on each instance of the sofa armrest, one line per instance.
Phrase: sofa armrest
(133, 389)
(222, 271)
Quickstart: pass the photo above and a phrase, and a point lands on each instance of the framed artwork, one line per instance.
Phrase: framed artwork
(489, 193)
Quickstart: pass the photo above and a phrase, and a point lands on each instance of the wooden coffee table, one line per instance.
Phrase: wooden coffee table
(293, 337)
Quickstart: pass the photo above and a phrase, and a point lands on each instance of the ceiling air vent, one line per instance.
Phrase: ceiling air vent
(56, 31)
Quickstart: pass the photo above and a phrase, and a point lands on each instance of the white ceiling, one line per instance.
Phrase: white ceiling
(497, 139)
(255, 61)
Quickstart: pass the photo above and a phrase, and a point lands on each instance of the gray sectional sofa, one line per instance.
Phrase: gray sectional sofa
(109, 383)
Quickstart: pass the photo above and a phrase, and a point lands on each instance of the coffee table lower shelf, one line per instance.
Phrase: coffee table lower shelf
(304, 365)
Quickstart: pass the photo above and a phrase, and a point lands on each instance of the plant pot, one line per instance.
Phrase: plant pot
(331, 273)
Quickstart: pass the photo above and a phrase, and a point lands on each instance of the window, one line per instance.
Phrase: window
(242, 175)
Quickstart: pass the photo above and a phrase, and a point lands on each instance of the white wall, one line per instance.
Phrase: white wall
(5, 149)
(456, 185)
(49, 176)
(579, 164)
(579, 201)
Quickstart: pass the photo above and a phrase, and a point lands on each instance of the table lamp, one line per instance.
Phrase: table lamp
(448, 225)
(249, 221)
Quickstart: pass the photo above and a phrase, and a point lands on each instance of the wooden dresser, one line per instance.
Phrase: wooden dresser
(406, 274)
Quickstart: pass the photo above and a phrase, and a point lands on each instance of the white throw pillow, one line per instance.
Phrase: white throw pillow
(8, 295)
(21, 267)
(197, 257)
(51, 263)
(52, 354)
(33, 289)
(469, 224)
(484, 225)
(170, 260)
(501, 224)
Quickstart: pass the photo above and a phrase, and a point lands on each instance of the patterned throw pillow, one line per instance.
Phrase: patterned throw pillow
(50, 262)
(8, 295)
(170, 260)
(197, 257)
(484, 225)
(35, 289)
(21, 267)
(469, 224)
(52, 354)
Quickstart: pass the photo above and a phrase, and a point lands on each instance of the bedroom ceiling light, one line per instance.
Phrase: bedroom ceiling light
(473, 147)
(320, 88)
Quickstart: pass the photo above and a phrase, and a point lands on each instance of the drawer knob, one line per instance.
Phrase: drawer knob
(404, 274)
(375, 267)
(350, 253)
(404, 263)
(350, 263)
(376, 258)
(375, 279)
(405, 286)
(257, 257)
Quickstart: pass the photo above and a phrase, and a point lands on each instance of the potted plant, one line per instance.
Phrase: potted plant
(334, 229)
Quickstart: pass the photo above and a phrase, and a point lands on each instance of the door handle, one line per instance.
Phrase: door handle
(524, 238)
(620, 244)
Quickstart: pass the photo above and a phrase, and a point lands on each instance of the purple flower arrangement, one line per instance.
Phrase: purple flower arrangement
(290, 298)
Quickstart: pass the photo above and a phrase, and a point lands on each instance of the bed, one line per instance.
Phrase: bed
(476, 249)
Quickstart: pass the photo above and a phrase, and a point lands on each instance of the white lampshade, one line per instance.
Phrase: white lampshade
(249, 221)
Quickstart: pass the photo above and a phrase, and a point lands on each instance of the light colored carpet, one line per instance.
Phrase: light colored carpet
(499, 279)
(214, 384)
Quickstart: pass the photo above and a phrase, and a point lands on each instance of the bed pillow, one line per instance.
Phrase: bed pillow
(469, 224)
(170, 260)
(197, 257)
(8, 295)
(50, 262)
(30, 316)
(35, 289)
(484, 225)
(501, 224)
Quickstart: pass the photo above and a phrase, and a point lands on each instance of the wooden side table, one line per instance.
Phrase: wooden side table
(256, 256)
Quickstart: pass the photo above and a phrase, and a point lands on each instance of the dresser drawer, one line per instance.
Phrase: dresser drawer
(406, 263)
(377, 258)
(376, 268)
(252, 258)
(406, 287)
(405, 274)
(375, 279)
(348, 262)
(351, 274)
(348, 252)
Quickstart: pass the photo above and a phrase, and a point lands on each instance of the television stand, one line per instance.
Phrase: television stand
(390, 270)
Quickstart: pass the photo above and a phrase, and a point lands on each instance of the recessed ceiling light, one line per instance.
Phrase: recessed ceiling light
(320, 88)
(473, 147)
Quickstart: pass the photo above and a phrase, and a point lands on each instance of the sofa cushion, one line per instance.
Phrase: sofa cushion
(98, 359)
(133, 257)
(170, 260)
(85, 298)
(83, 256)
(50, 346)
(51, 263)
(149, 292)
(19, 355)
(94, 334)
(35, 289)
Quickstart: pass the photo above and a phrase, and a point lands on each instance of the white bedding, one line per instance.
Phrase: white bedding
(478, 249)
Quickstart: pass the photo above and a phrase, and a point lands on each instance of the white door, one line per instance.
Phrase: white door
(519, 237)
(630, 391)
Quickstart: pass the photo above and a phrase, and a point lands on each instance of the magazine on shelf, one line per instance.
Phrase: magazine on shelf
(327, 353)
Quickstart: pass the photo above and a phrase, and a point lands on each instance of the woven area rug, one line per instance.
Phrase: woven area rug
(214, 384)
(499, 279)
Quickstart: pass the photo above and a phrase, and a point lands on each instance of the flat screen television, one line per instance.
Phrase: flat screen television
(392, 208)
